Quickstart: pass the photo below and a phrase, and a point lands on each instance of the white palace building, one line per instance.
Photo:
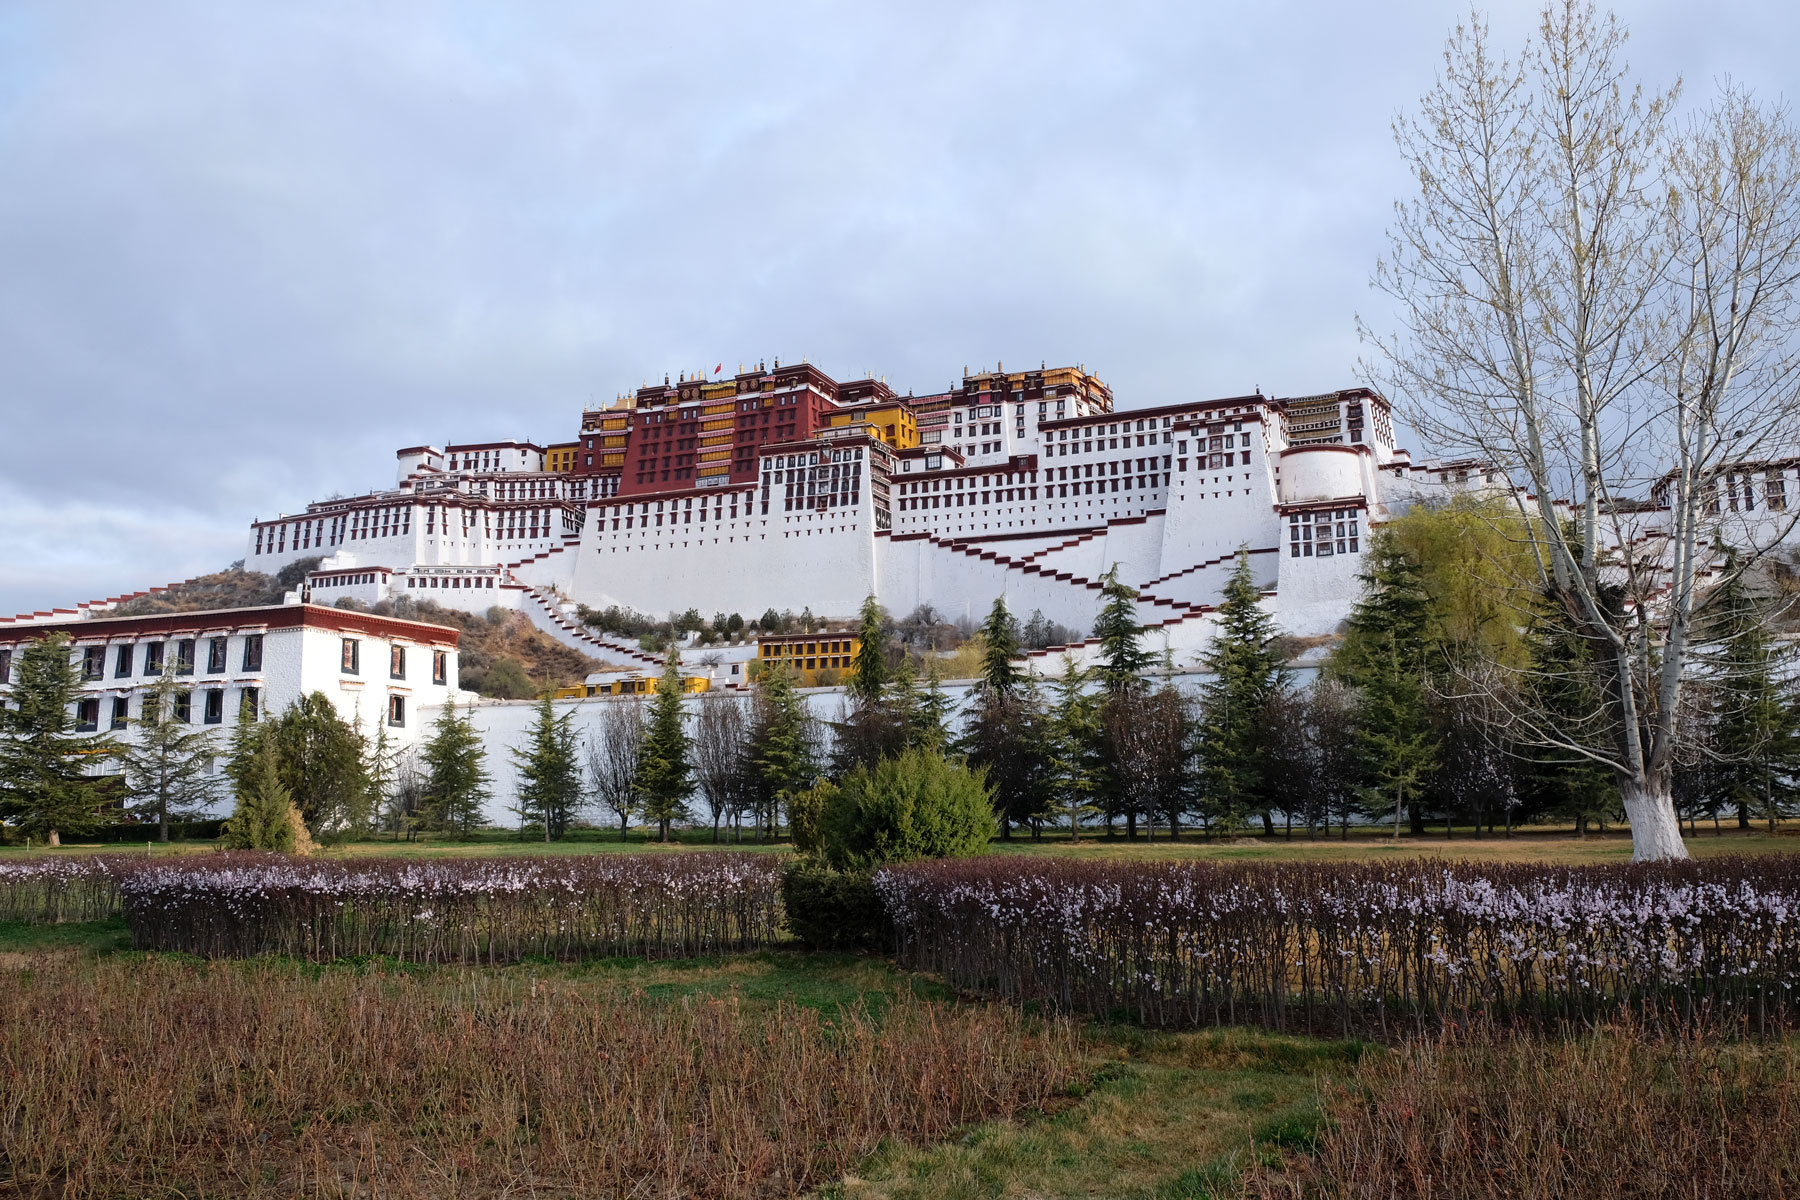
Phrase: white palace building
(783, 488)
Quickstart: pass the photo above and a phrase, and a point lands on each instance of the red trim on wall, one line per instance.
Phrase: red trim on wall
(255, 620)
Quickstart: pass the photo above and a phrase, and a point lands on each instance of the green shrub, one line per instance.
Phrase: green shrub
(834, 910)
(806, 810)
(917, 805)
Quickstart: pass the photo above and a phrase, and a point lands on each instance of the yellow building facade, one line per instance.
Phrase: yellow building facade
(809, 656)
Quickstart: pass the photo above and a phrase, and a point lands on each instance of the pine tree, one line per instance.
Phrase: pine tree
(168, 765)
(44, 789)
(931, 719)
(1077, 761)
(1123, 660)
(665, 774)
(1000, 635)
(321, 758)
(549, 773)
(869, 675)
(1248, 670)
(1748, 718)
(1393, 725)
(781, 752)
(380, 775)
(456, 777)
(265, 817)
(1386, 656)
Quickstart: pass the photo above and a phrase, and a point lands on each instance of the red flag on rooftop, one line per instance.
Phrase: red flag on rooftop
(718, 368)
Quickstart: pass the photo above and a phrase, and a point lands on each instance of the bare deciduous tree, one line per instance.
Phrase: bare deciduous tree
(1602, 305)
(721, 754)
(612, 754)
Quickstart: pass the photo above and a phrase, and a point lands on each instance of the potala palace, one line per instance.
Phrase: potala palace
(784, 488)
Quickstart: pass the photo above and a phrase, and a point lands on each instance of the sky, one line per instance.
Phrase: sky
(248, 250)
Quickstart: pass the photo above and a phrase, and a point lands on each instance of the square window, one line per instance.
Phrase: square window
(184, 656)
(352, 657)
(215, 656)
(253, 648)
(87, 716)
(396, 662)
(153, 658)
(6, 665)
(249, 704)
(397, 711)
(184, 707)
(215, 706)
(93, 663)
(122, 661)
(121, 712)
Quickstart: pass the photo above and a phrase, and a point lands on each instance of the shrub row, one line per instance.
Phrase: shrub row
(456, 910)
(1359, 949)
(46, 889)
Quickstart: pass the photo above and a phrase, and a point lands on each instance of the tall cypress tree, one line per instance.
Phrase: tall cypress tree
(1077, 761)
(1248, 670)
(265, 817)
(869, 674)
(1123, 659)
(456, 776)
(1000, 637)
(44, 788)
(549, 792)
(930, 724)
(1748, 719)
(781, 752)
(1385, 656)
(665, 772)
(169, 764)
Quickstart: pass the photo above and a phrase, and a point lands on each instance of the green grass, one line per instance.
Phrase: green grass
(1531, 844)
(1168, 1117)
(84, 937)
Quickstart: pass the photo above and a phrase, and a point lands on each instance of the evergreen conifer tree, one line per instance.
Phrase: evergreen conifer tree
(1748, 719)
(44, 787)
(1000, 636)
(321, 758)
(456, 776)
(1386, 656)
(549, 772)
(665, 773)
(1075, 737)
(168, 766)
(265, 817)
(931, 719)
(869, 674)
(1247, 670)
(380, 771)
(1123, 659)
(781, 752)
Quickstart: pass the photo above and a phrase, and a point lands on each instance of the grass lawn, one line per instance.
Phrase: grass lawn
(1530, 844)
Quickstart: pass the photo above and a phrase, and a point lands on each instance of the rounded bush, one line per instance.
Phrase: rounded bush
(917, 805)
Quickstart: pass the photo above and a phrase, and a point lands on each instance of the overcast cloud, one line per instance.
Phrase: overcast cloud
(247, 250)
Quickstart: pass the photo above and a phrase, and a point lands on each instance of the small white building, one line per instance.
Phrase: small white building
(379, 672)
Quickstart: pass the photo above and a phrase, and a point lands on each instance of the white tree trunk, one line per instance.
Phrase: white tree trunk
(1655, 829)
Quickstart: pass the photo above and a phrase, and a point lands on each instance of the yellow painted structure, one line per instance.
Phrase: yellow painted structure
(561, 457)
(631, 685)
(892, 423)
(807, 655)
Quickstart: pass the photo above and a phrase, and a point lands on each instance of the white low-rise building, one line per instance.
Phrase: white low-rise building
(379, 672)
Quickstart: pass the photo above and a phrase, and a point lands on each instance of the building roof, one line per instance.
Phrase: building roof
(261, 617)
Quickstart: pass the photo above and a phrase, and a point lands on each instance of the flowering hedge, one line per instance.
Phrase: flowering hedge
(47, 889)
(1359, 948)
(457, 910)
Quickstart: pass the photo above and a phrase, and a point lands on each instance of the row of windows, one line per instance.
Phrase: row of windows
(93, 658)
(1323, 533)
(212, 708)
(350, 662)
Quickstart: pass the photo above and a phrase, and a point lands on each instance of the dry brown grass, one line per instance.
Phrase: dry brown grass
(150, 1077)
(1613, 1114)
